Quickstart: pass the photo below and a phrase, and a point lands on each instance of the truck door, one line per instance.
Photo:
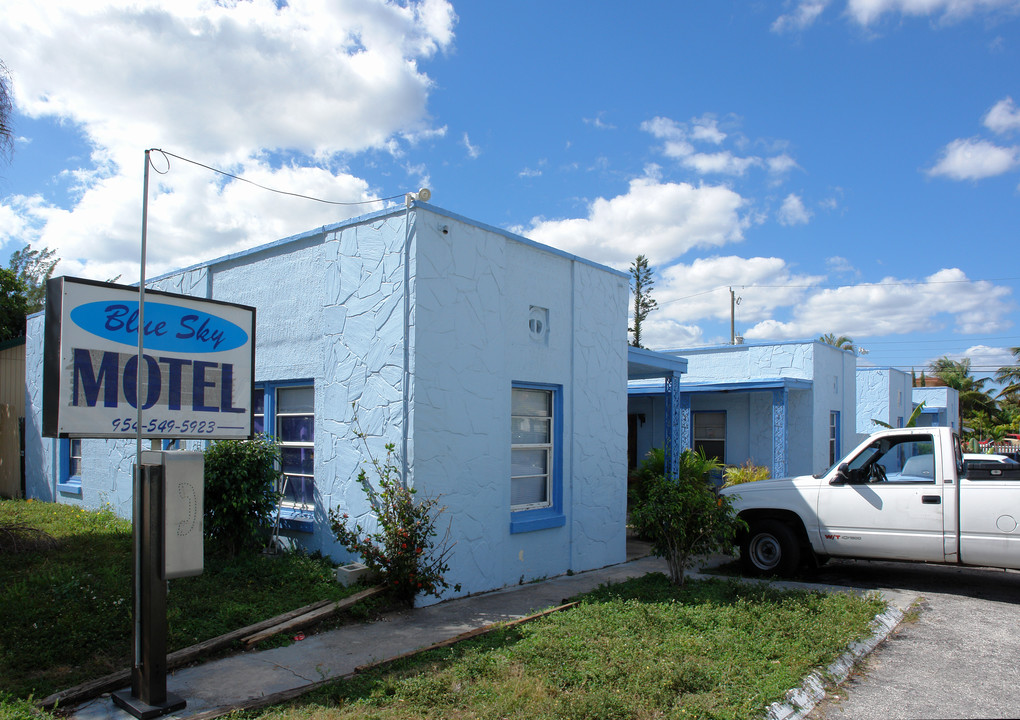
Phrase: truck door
(886, 502)
(989, 515)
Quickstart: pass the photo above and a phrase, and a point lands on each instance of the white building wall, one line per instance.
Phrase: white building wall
(475, 294)
(330, 308)
(883, 394)
(944, 401)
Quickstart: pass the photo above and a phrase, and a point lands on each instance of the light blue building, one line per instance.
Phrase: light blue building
(941, 407)
(788, 406)
(497, 366)
(885, 395)
(888, 395)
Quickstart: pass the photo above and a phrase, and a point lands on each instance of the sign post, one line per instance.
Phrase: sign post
(192, 376)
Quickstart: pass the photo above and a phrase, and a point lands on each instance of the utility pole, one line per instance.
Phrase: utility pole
(734, 301)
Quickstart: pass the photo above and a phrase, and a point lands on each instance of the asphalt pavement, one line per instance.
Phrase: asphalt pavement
(955, 655)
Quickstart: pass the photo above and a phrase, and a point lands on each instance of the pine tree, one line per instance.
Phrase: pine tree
(644, 303)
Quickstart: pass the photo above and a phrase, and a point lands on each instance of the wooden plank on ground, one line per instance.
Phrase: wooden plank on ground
(311, 617)
(174, 660)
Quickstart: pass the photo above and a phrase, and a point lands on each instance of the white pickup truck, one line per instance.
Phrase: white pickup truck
(902, 494)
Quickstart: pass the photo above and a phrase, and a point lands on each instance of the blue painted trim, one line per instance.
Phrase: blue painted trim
(297, 519)
(67, 483)
(747, 345)
(552, 516)
(531, 520)
(291, 518)
(642, 388)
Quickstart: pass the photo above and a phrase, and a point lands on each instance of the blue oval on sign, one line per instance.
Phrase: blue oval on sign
(167, 327)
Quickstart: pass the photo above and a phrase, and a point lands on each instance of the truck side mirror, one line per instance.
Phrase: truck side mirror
(842, 476)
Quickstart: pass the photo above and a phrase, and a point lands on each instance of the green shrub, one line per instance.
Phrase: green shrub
(241, 478)
(653, 465)
(748, 472)
(403, 549)
(683, 517)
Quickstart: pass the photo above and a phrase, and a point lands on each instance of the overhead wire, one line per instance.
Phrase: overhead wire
(167, 155)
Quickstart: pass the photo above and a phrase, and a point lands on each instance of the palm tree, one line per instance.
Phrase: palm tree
(843, 342)
(1010, 375)
(974, 401)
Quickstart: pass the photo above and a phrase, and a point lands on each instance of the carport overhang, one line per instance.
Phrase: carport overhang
(678, 403)
(664, 370)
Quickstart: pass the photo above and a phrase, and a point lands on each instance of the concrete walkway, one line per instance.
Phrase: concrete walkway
(224, 683)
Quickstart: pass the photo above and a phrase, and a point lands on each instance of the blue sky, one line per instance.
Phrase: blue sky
(845, 166)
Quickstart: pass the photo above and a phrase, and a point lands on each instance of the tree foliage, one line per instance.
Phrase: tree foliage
(6, 111)
(13, 306)
(911, 421)
(978, 409)
(683, 516)
(1009, 375)
(33, 268)
(641, 287)
(843, 342)
(241, 479)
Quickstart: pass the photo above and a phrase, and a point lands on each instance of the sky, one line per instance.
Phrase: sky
(843, 166)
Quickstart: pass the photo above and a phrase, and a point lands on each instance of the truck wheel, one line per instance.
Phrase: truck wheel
(770, 548)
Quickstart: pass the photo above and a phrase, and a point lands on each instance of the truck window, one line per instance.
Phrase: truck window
(896, 459)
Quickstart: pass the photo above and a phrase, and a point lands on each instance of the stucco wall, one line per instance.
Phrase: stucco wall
(882, 394)
(941, 406)
(475, 292)
(734, 363)
(330, 308)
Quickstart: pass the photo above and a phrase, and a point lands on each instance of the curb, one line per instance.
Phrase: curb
(802, 700)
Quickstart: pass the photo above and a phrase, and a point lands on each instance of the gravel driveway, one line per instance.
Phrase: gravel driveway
(958, 656)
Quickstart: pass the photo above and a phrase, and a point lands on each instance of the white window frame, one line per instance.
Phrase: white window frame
(548, 447)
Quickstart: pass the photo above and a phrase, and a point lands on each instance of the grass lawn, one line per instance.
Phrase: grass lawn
(67, 605)
(640, 649)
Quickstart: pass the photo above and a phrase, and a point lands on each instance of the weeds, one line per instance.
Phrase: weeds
(67, 605)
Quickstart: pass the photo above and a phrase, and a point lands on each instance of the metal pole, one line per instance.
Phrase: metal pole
(138, 409)
(732, 324)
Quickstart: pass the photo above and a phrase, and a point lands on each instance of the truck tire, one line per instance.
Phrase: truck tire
(770, 547)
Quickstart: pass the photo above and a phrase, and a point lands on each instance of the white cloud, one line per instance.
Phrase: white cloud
(896, 307)
(473, 151)
(983, 356)
(706, 129)
(698, 290)
(803, 16)
(974, 159)
(225, 83)
(660, 220)
(598, 123)
(680, 142)
(841, 266)
(793, 211)
(866, 12)
(1004, 117)
(780, 164)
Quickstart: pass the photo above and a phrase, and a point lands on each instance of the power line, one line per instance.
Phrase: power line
(903, 283)
(167, 154)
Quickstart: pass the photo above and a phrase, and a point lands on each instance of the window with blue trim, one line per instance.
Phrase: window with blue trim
(834, 444)
(286, 410)
(70, 466)
(536, 443)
